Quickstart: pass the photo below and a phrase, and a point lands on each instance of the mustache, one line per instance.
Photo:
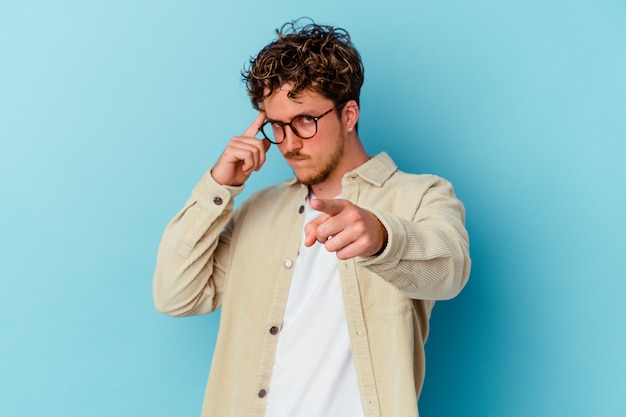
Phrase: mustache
(295, 154)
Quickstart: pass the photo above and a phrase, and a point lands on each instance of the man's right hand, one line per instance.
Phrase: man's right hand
(243, 155)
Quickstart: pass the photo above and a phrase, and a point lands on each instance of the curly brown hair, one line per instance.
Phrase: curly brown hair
(313, 57)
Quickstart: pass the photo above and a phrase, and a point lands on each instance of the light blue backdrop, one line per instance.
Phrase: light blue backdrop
(110, 111)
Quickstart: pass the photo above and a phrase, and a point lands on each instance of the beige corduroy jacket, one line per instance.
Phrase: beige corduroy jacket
(242, 261)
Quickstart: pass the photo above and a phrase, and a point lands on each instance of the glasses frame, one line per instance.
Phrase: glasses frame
(293, 129)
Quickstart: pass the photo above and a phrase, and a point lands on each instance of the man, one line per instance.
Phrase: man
(326, 281)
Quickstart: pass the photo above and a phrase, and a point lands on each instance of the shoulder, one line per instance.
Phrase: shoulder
(381, 171)
(274, 196)
(420, 181)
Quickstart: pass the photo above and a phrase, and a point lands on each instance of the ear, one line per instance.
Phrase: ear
(350, 115)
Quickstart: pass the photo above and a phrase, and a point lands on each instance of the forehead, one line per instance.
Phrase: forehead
(279, 106)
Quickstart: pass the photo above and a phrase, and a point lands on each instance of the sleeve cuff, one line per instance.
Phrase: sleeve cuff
(209, 193)
(395, 246)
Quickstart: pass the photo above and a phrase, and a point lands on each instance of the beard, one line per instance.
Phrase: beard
(327, 168)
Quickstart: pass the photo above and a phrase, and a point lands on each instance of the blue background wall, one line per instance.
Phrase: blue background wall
(110, 111)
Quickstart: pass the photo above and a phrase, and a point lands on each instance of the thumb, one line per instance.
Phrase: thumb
(310, 230)
(266, 144)
(329, 206)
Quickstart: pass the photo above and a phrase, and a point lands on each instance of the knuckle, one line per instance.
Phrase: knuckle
(353, 216)
(359, 228)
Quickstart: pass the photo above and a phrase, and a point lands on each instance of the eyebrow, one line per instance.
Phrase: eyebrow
(269, 119)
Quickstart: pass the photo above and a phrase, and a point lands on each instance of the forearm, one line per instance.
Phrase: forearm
(189, 273)
(426, 257)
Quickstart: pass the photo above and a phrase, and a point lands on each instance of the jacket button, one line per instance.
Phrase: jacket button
(301, 209)
(262, 393)
(287, 263)
(274, 330)
(218, 201)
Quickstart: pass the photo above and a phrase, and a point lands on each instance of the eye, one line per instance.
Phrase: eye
(305, 121)
(276, 125)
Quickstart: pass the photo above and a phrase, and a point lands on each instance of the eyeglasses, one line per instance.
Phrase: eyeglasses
(303, 126)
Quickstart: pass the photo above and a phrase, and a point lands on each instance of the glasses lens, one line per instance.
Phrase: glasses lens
(273, 132)
(305, 126)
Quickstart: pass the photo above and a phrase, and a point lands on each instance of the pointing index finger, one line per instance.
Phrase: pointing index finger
(253, 129)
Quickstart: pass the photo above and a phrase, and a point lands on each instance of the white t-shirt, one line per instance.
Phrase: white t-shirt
(313, 373)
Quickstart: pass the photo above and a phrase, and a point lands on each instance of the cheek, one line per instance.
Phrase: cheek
(331, 132)
(287, 146)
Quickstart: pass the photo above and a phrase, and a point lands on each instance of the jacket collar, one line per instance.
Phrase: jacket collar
(376, 170)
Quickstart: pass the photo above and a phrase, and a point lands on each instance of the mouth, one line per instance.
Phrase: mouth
(295, 157)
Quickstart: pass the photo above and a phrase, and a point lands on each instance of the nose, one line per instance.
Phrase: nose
(292, 141)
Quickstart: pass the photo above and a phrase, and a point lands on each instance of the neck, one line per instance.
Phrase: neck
(325, 190)
(354, 156)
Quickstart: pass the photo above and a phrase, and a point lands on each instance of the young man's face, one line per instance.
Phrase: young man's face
(313, 160)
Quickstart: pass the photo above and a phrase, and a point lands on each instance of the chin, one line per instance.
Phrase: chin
(317, 176)
(312, 179)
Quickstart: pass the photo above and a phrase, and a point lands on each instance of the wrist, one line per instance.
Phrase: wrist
(384, 244)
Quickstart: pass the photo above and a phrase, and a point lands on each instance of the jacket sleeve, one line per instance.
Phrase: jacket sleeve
(192, 256)
(427, 256)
